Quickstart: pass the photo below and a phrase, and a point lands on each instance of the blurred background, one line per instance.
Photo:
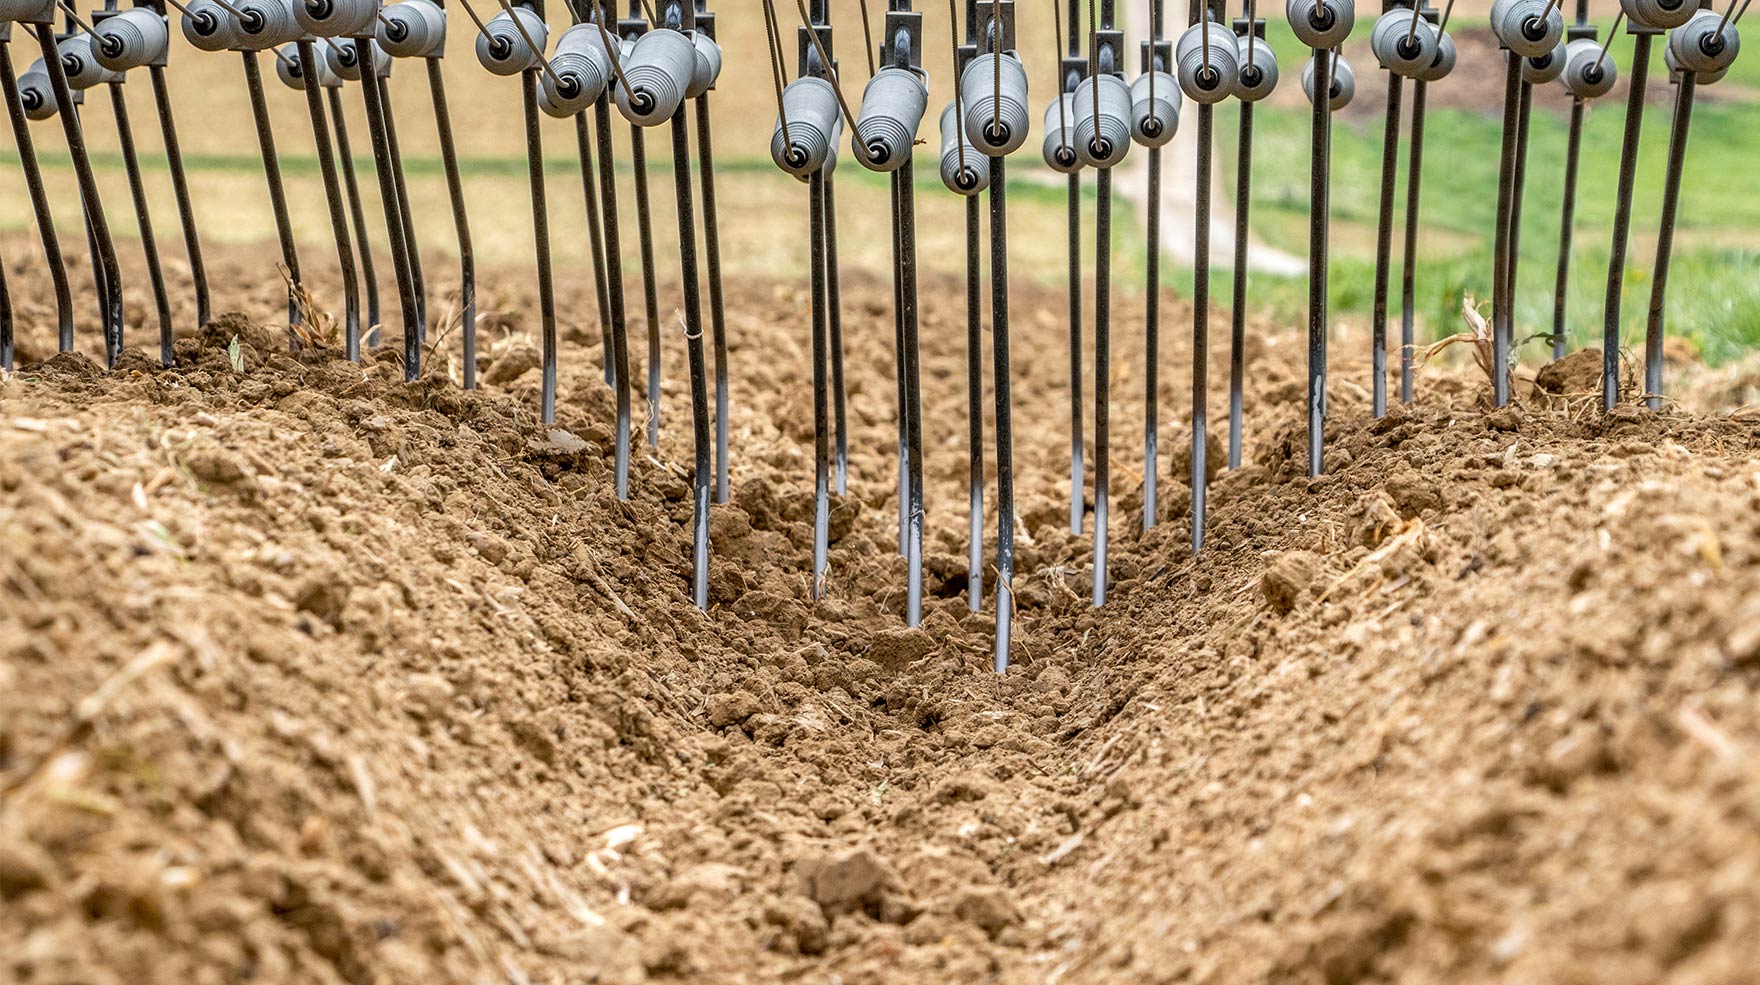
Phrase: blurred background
(1714, 296)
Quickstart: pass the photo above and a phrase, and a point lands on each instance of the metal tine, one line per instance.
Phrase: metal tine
(1409, 247)
(358, 218)
(672, 19)
(785, 155)
(634, 26)
(33, 176)
(992, 33)
(192, 243)
(712, 257)
(333, 195)
(595, 227)
(253, 81)
(601, 10)
(1687, 76)
(974, 332)
(813, 23)
(467, 290)
(1152, 65)
(1567, 219)
(373, 96)
(1249, 28)
(1320, 25)
(529, 76)
(6, 328)
(131, 166)
(1216, 75)
(890, 118)
(1384, 226)
(406, 215)
(97, 226)
(1622, 209)
(1071, 68)
(1104, 51)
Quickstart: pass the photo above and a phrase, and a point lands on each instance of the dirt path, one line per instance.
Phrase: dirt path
(1179, 186)
(310, 675)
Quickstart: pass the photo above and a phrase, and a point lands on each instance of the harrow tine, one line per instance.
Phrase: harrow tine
(693, 334)
(109, 277)
(253, 80)
(461, 224)
(583, 139)
(312, 82)
(1153, 63)
(405, 212)
(1566, 224)
(358, 217)
(1685, 85)
(373, 96)
(834, 322)
(1622, 213)
(186, 214)
(1409, 250)
(541, 242)
(712, 256)
(33, 179)
(131, 165)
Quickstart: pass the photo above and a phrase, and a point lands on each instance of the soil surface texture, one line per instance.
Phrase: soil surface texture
(308, 674)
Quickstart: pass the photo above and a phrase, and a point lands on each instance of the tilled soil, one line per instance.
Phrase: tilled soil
(311, 675)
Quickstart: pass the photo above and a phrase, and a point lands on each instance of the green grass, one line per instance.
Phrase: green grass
(1713, 296)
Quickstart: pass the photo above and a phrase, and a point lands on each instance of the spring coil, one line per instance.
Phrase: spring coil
(209, 27)
(412, 29)
(1542, 69)
(337, 18)
(1587, 75)
(1400, 46)
(659, 68)
(995, 126)
(1344, 84)
(1207, 73)
(1660, 14)
(708, 65)
(346, 64)
(810, 106)
(1527, 27)
(35, 93)
(1697, 46)
(1321, 23)
(892, 111)
(974, 176)
(502, 48)
(82, 68)
(291, 70)
(1059, 150)
(264, 24)
(1104, 138)
(1439, 69)
(1258, 75)
(581, 64)
(1155, 120)
(133, 38)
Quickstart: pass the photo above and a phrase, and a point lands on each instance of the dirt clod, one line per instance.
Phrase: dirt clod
(1287, 577)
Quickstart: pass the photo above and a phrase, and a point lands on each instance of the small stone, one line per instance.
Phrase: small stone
(1287, 579)
(323, 597)
(215, 466)
(801, 920)
(1504, 419)
(24, 868)
(1575, 375)
(990, 909)
(858, 880)
(732, 709)
(427, 695)
(515, 364)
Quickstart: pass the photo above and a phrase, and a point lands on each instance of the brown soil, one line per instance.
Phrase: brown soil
(308, 674)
